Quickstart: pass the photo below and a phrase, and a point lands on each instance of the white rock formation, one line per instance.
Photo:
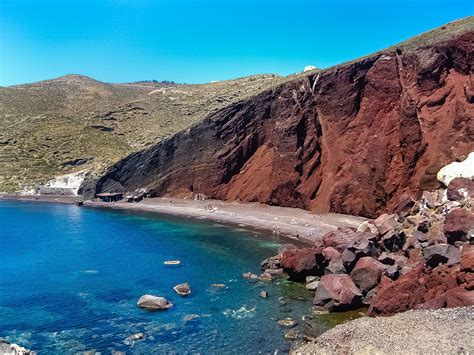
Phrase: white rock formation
(464, 169)
(71, 181)
(308, 68)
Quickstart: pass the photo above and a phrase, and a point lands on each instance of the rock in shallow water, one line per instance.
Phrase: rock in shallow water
(287, 323)
(133, 338)
(154, 303)
(182, 289)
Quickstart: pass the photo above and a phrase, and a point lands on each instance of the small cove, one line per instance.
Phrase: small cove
(70, 278)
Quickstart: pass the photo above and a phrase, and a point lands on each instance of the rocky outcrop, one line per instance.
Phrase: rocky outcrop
(420, 258)
(357, 139)
(13, 349)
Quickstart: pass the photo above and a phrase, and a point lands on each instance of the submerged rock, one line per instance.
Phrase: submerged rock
(154, 303)
(133, 338)
(172, 262)
(190, 317)
(250, 276)
(263, 294)
(292, 335)
(182, 289)
(287, 323)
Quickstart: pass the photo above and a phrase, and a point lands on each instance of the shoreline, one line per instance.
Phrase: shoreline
(291, 223)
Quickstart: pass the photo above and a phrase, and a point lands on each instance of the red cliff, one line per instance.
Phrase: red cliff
(356, 139)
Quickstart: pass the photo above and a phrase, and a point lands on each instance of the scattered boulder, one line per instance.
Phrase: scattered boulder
(367, 273)
(432, 199)
(386, 222)
(349, 259)
(368, 227)
(250, 276)
(340, 238)
(331, 253)
(273, 262)
(274, 272)
(335, 266)
(458, 225)
(441, 254)
(337, 292)
(460, 188)
(367, 300)
(133, 338)
(263, 294)
(154, 303)
(313, 285)
(311, 279)
(467, 261)
(393, 240)
(299, 263)
(292, 335)
(182, 289)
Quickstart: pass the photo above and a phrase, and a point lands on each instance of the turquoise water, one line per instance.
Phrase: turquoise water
(70, 278)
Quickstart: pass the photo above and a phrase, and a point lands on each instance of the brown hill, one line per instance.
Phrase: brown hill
(73, 122)
(357, 138)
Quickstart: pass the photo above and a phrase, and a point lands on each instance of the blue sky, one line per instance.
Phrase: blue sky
(198, 41)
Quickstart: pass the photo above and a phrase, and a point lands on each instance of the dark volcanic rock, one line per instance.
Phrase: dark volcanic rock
(458, 225)
(291, 145)
(366, 273)
(441, 254)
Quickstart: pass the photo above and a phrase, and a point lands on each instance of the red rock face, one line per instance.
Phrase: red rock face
(355, 139)
(424, 288)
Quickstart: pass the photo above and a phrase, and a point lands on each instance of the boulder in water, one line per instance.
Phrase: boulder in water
(154, 303)
(182, 289)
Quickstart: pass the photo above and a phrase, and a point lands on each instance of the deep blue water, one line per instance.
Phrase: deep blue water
(70, 278)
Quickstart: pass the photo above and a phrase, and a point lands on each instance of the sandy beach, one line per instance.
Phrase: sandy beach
(292, 223)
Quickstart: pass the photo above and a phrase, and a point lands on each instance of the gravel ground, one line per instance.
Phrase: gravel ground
(444, 331)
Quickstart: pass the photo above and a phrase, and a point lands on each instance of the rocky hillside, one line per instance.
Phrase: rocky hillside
(357, 138)
(73, 122)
